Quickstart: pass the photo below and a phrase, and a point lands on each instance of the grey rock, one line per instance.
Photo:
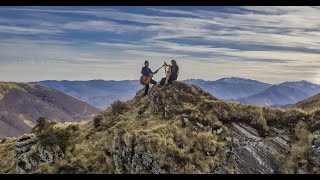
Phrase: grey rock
(219, 131)
(147, 160)
(255, 154)
(215, 127)
(316, 143)
(155, 103)
(184, 115)
(167, 111)
(315, 156)
(30, 152)
(186, 120)
(301, 171)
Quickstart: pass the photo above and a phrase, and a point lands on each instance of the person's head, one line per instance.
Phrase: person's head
(173, 62)
(146, 63)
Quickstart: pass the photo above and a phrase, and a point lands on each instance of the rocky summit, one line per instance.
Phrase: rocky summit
(174, 129)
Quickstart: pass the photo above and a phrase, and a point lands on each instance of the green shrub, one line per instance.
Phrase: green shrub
(286, 118)
(71, 169)
(299, 150)
(55, 137)
(97, 120)
(118, 107)
(73, 127)
(42, 125)
(105, 119)
(315, 120)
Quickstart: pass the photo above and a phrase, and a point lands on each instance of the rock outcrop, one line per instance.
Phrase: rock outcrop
(30, 152)
(255, 154)
(315, 150)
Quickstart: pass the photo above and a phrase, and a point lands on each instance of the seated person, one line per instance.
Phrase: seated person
(171, 74)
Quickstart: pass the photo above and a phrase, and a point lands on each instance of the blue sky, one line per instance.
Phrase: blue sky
(270, 44)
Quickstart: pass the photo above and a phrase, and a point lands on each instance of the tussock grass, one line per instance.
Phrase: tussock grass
(49, 135)
(7, 154)
(299, 152)
(119, 107)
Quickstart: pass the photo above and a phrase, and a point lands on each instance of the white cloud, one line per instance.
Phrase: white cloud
(93, 25)
(152, 54)
(121, 45)
(27, 30)
(294, 29)
(173, 11)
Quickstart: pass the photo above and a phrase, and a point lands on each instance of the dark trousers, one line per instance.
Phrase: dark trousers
(147, 87)
(163, 80)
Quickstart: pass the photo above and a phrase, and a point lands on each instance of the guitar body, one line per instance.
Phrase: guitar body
(144, 80)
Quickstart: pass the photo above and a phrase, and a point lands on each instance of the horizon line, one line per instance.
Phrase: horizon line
(77, 80)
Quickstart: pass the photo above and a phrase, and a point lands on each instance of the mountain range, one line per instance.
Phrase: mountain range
(21, 104)
(230, 88)
(101, 94)
(283, 94)
(98, 93)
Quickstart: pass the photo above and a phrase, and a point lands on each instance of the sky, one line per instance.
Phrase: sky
(269, 44)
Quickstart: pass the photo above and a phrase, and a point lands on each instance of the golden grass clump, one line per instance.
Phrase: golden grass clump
(7, 153)
(299, 152)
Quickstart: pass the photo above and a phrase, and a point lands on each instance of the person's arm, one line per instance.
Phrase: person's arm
(155, 71)
(150, 71)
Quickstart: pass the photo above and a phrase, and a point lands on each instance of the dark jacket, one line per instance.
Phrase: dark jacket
(146, 71)
(174, 73)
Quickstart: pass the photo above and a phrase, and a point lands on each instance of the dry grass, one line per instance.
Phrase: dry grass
(315, 122)
(299, 152)
(7, 154)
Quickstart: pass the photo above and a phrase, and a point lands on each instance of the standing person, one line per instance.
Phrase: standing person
(147, 76)
(171, 74)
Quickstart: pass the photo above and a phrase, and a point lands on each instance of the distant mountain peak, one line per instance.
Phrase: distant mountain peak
(285, 93)
(194, 79)
(236, 80)
(302, 82)
(231, 78)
